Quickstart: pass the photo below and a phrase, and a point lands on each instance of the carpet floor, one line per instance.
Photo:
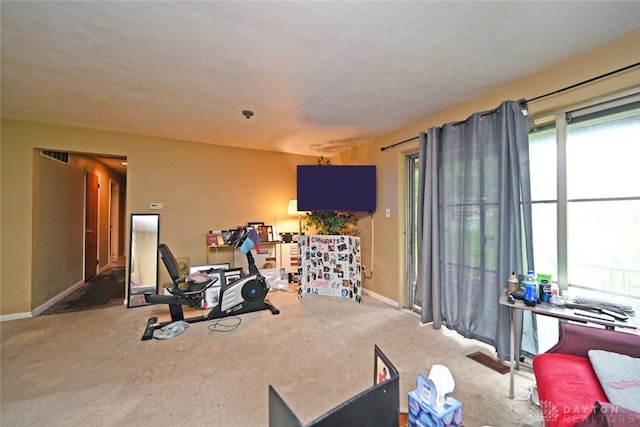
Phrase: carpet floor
(90, 368)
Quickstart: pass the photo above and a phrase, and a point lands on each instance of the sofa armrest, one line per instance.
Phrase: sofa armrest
(579, 339)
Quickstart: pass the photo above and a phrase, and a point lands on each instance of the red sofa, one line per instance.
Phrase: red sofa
(569, 391)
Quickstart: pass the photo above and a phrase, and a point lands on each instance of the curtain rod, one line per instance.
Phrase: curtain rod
(555, 92)
(593, 79)
(398, 143)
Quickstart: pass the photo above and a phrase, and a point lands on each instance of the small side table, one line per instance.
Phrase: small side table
(548, 309)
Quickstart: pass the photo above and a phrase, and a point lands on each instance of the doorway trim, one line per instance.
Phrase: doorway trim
(411, 237)
(114, 220)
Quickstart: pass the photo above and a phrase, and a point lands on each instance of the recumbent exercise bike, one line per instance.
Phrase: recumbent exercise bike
(244, 295)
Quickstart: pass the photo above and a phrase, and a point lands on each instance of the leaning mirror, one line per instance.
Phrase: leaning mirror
(143, 257)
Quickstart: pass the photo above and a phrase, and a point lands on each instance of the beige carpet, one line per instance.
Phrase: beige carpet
(90, 368)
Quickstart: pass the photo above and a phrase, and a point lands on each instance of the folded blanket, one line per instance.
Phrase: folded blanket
(619, 376)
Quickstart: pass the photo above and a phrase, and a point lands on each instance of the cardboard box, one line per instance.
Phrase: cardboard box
(422, 414)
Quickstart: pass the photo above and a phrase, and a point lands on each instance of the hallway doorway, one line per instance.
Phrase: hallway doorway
(79, 209)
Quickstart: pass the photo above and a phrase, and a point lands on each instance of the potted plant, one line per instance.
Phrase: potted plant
(330, 222)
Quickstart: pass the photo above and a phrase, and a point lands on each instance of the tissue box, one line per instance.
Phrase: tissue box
(422, 414)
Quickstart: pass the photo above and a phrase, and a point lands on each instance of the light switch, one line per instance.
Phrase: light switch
(387, 213)
(156, 206)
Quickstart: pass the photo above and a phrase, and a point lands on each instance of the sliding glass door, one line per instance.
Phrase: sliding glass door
(412, 167)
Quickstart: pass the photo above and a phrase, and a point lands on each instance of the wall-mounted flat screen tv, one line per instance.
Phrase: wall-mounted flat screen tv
(337, 188)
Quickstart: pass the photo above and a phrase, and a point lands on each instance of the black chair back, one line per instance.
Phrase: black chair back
(170, 262)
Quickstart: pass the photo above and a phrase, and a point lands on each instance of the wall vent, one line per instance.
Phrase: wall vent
(59, 156)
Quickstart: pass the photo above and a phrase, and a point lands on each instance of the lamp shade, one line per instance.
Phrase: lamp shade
(293, 208)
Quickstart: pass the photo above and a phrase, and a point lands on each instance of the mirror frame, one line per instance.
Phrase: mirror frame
(135, 293)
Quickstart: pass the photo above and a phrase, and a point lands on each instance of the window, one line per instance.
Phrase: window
(585, 187)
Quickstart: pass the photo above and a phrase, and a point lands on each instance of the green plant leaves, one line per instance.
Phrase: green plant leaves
(330, 222)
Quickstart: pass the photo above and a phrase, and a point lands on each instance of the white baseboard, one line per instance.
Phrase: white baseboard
(37, 311)
(14, 316)
(380, 298)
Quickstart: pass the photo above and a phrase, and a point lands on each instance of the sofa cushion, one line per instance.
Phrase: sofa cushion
(619, 377)
(567, 388)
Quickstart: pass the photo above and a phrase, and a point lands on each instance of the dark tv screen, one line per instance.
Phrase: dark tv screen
(337, 188)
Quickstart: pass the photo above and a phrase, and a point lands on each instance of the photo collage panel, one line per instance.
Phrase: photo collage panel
(330, 265)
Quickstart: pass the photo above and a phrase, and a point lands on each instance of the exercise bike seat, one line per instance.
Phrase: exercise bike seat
(193, 288)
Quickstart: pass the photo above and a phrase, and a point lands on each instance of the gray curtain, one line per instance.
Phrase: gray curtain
(474, 222)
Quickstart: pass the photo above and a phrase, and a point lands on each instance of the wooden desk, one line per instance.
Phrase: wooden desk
(547, 309)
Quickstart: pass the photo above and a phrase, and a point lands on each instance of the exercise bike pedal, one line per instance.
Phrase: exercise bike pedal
(151, 326)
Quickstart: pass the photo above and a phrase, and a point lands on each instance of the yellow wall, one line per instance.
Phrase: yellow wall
(205, 186)
(202, 186)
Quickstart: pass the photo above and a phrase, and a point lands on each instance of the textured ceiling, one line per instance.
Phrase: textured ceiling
(319, 76)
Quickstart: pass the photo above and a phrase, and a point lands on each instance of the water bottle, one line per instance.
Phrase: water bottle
(530, 289)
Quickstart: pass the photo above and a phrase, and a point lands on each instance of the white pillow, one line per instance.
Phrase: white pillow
(619, 376)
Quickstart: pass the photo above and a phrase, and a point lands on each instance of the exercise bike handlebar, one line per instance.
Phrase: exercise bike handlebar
(252, 264)
(237, 241)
